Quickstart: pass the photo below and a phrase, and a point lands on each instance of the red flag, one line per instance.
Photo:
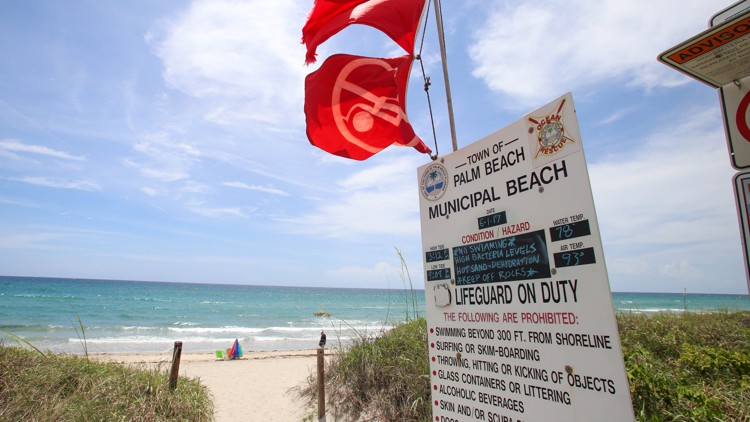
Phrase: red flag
(397, 18)
(354, 106)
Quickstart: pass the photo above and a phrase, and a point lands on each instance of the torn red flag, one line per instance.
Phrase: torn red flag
(355, 106)
(398, 19)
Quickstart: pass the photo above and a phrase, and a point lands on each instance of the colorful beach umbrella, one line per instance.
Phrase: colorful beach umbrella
(236, 351)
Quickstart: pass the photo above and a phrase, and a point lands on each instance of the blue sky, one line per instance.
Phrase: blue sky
(166, 141)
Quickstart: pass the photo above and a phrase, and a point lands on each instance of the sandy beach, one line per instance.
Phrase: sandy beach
(254, 388)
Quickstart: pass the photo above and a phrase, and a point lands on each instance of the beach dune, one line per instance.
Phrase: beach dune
(255, 388)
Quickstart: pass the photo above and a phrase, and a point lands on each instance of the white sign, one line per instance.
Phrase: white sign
(735, 105)
(717, 56)
(742, 194)
(519, 310)
(729, 12)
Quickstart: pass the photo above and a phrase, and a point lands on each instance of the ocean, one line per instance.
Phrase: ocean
(136, 316)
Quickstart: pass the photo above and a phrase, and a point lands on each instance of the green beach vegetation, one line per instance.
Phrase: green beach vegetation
(680, 366)
(380, 378)
(688, 366)
(48, 387)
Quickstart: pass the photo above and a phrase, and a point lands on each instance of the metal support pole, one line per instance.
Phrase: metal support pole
(444, 57)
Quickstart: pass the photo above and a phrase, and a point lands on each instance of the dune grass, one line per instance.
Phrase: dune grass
(681, 367)
(382, 377)
(48, 387)
(688, 366)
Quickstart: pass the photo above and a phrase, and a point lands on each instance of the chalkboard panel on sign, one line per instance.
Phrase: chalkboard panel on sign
(440, 274)
(492, 220)
(439, 255)
(577, 257)
(519, 257)
(570, 231)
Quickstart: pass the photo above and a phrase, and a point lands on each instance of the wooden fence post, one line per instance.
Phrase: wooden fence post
(176, 353)
(321, 386)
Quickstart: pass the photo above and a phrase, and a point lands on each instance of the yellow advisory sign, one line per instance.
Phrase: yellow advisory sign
(717, 56)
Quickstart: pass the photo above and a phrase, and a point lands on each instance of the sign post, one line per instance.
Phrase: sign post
(519, 310)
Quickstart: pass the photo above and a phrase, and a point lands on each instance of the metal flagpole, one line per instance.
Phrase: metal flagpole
(444, 57)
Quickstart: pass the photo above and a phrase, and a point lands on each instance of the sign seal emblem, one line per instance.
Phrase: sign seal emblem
(434, 182)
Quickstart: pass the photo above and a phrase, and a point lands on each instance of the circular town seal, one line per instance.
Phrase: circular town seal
(434, 182)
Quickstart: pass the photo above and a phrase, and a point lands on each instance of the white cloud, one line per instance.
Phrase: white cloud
(368, 276)
(615, 116)
(10, 146)
(218, 212)
(16, 202)
(682, 269)
(17, 241)
(163, 159)
(675, 189)
(265, 189)
(161, 174)
(378, 200)
(666, 211)
(244, 54)
(58, 184)
(534, 51)
(191, 186)
(151, 191)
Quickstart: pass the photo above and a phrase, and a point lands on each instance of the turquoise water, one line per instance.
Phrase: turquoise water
(677, 302)
(132, 316)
